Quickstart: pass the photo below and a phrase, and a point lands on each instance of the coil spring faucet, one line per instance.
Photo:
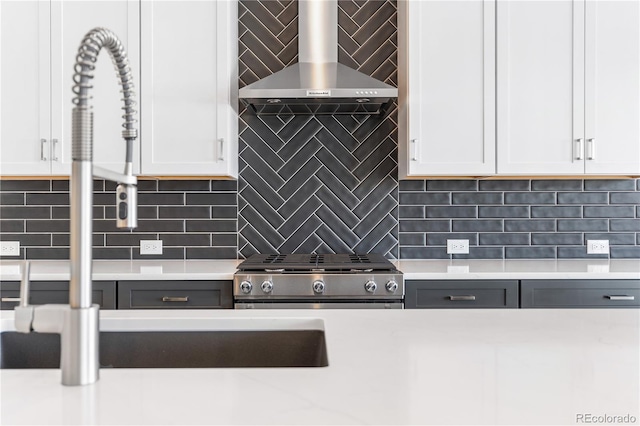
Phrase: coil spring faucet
(77, 322)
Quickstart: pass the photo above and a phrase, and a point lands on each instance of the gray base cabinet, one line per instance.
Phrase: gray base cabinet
(46, 292)
(175, 294)
(421, 294)
(580, 293)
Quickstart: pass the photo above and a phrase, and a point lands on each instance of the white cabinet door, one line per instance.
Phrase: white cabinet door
(189, 81)
(612, 87)
(540, 90)
(448, 88)
(71, 20)
(25, 143)
(39, 44)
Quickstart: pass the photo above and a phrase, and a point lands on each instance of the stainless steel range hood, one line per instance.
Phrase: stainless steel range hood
(318, 84)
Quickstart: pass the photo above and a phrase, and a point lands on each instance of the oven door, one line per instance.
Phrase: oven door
(377, 304)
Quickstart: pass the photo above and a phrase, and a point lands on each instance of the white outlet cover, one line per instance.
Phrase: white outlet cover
(150, 247)
(10, 248)
(597, 246)
(457, 246)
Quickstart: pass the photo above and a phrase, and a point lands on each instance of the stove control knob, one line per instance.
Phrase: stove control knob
(391, 286)
(267, 286)
(370, 286)
(245, 287)
(318, 286)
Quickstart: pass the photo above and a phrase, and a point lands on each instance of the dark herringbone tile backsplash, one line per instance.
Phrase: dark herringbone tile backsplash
(318, 184)
(329, 184)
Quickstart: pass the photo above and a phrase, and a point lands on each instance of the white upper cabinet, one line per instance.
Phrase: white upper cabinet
(568, 93)
(25, 88)
(71, 20)
(39, 44)
(612, 87)
(447, 88)
(189, 88)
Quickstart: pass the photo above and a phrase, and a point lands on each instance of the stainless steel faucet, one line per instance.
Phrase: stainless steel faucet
(77, 322)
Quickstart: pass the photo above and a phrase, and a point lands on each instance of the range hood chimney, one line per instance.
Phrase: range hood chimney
(318, 84)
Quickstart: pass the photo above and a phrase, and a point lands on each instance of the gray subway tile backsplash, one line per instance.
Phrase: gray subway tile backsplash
(504, 185)
(624, 198)
(164, 212)
(199, 220)
(609, 185)
(556, 211)
(477, 198)
(538, 252)
(503, 211)
(631, 225)
(460, 225)
(529, 198)
(609, 211)
(539, 218)
(504, 239)
(557, 185)
(583, 197)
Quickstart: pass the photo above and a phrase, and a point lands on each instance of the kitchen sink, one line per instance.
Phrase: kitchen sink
(176, 349)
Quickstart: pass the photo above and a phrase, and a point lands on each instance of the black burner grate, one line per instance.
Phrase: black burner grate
(309, 262)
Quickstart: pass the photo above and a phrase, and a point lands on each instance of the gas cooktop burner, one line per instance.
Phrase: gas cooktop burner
(316, 263)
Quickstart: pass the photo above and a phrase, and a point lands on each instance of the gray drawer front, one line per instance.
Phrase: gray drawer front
(461, 294)
(45, 292)
(175, 295)
(580, 294)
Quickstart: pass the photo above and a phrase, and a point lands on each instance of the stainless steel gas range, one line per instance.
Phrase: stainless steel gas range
(303, 281)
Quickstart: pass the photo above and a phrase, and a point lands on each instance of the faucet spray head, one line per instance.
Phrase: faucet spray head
(126, 206)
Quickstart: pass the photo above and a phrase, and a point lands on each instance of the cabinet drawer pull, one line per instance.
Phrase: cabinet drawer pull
(221, 149)
(579, 149)
(414, 150)
(591, 149)
(175, 299)
(43, 157)
(620, 297)
(54, 143)
(462, 297)
(10, 299)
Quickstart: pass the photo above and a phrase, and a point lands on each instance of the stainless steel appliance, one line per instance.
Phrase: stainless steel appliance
(318, 83)
(318, 281)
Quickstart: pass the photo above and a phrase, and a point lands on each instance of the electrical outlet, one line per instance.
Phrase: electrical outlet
(150, 246)
(457, 246)
(9, 248)
(597, 246)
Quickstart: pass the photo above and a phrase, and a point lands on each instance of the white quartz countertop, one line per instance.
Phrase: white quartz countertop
(59, 270)
(56, 270)
(385, 367)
